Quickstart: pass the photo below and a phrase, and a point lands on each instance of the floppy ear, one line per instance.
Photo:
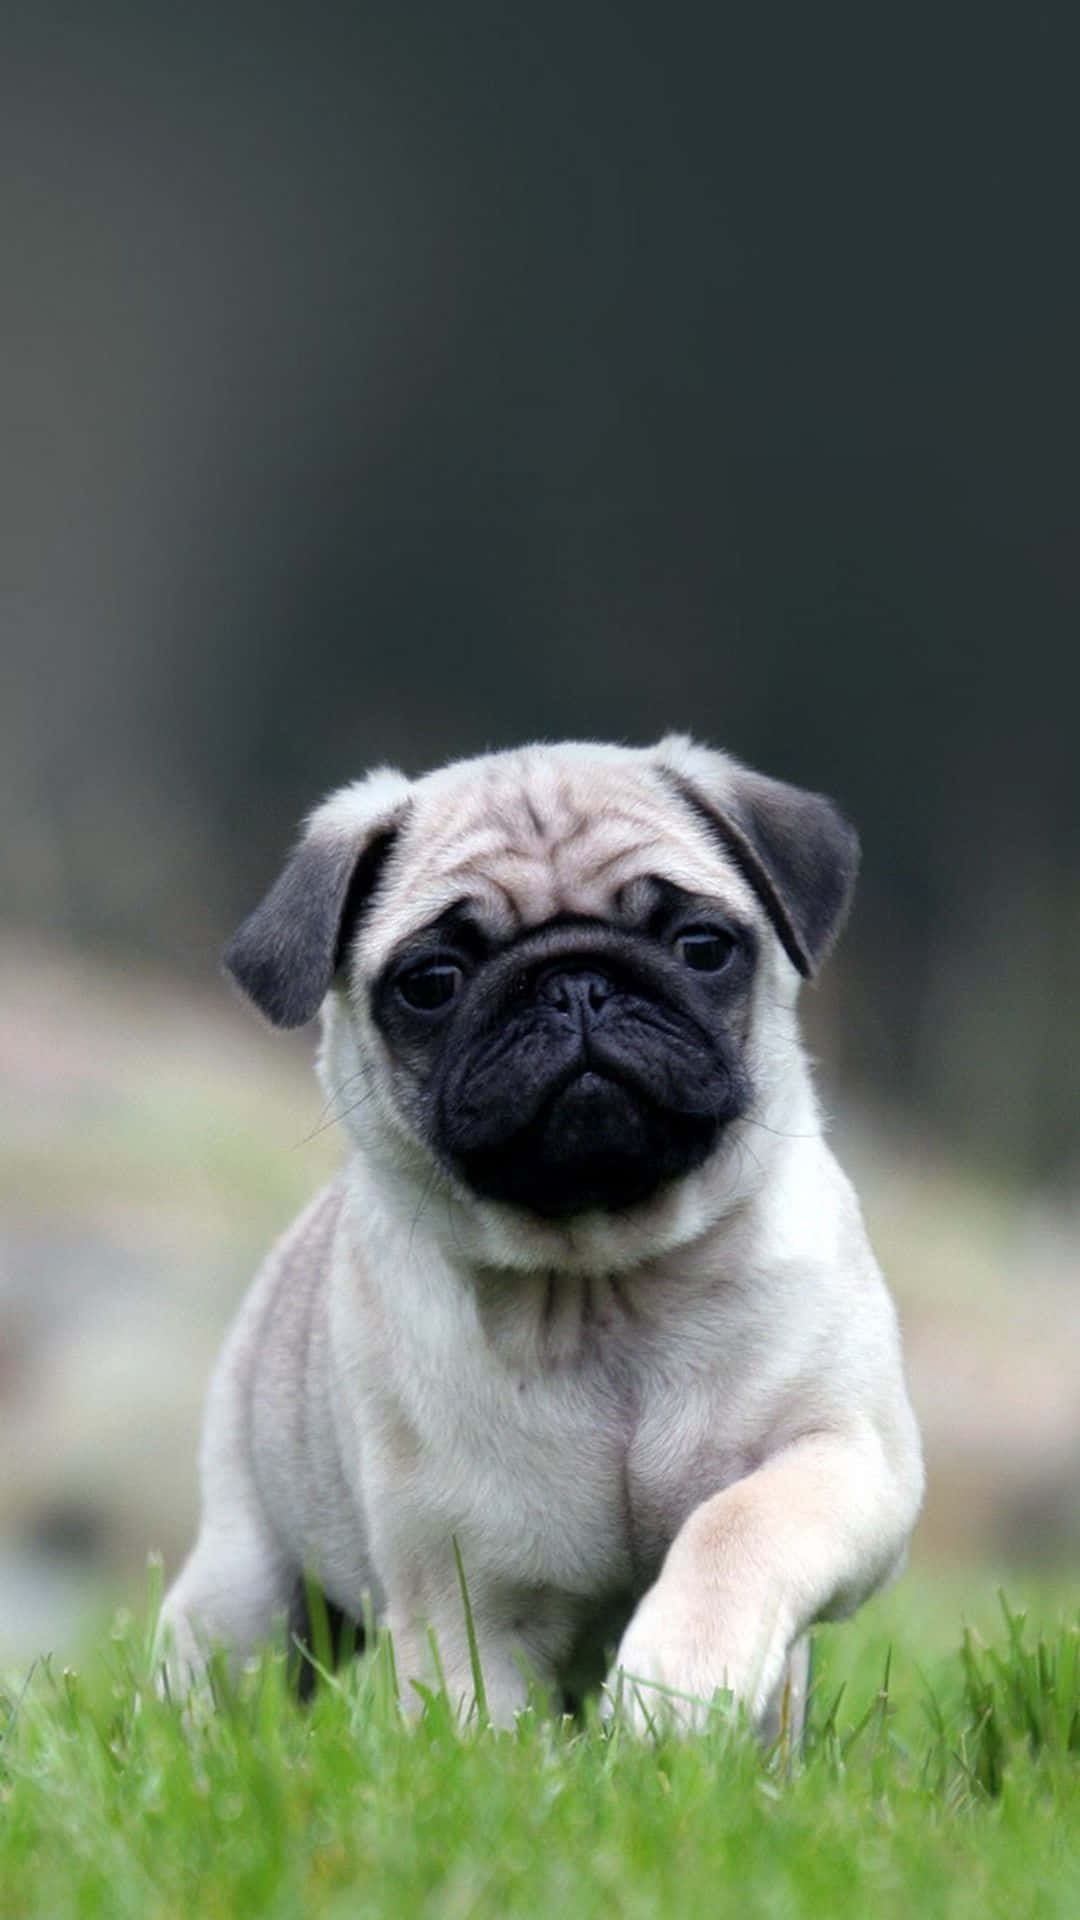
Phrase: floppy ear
(796, 849)
(287, 952)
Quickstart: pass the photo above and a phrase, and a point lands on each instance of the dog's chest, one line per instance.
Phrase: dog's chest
(520, 1451)
(552, 1440)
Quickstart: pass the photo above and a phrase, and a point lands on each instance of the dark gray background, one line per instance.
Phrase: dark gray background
(394, 380)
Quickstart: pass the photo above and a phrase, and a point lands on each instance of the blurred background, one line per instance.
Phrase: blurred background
(394, 381)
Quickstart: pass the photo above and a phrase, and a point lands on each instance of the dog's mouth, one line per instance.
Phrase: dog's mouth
(589, 1080)
(595, 1144)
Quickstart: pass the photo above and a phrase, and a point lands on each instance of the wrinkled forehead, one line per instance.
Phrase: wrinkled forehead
(525, 837)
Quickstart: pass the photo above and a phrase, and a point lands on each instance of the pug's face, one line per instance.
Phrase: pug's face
(579, 1062)
(558, 969)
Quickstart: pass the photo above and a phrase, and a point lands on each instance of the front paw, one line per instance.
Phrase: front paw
(682, 1657)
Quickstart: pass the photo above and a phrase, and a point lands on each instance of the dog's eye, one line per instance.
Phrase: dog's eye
(706, 949)
(429, 987)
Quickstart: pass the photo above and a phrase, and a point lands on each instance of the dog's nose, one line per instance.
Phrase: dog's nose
(575, 991)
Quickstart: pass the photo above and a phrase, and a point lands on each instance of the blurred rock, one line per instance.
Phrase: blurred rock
(151, 1144)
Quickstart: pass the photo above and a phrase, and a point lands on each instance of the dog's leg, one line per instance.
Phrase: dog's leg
(805, 1537)
(438, 1654)
(505, 1687)
(235, 1588)
(785, 1716)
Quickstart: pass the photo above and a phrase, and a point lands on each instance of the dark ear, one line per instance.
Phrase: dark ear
(287, 952)
(796, 849)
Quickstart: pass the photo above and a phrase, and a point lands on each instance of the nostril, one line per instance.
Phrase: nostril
(554, 990)
(574, 989)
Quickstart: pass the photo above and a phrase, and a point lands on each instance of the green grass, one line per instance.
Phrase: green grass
(941, 1776)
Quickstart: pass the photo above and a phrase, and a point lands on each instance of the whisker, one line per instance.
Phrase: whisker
(780, 1133)
(335, 1093)
(336, 1119)
(429, 1187)
(450, 1198)
(745, 1147)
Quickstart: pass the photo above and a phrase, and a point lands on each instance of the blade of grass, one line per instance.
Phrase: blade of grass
(479, 1693)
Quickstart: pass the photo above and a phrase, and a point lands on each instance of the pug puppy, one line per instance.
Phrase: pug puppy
(591, 1303)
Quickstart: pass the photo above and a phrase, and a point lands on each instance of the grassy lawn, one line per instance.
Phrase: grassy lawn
(941, 1776)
